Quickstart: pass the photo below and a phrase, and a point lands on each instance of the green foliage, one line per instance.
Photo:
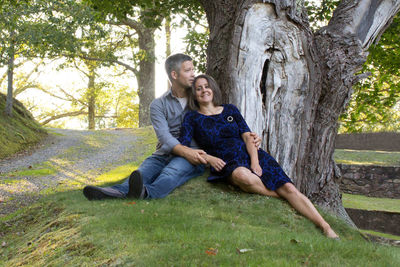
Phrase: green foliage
(41, 28)
(197, 48)
(18, 132)
(319, 13)
(375, 104)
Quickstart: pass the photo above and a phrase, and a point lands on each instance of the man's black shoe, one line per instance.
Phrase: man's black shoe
(136, 188)
(98, 193)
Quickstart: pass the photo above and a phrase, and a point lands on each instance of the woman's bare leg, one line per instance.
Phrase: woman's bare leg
(250, 183)
(303, 205)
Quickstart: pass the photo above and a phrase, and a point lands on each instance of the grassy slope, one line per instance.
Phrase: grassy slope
(367, 157)
(199, 224)
(19, 131)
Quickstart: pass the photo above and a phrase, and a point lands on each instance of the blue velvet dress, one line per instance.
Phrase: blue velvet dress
(220, 135)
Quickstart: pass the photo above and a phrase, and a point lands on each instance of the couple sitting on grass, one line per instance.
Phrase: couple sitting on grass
(189, 116)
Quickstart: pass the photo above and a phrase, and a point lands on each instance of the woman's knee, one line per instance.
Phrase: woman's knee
(242, 176)
(289, 188)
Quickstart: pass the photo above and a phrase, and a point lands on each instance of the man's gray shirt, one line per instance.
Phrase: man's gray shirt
(166, 115)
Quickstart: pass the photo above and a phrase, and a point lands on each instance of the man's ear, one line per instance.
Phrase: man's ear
(174, 75)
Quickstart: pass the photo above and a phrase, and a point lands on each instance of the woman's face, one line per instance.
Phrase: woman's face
(204, 94)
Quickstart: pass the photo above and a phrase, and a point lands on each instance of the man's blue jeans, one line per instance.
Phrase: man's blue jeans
(161, 174)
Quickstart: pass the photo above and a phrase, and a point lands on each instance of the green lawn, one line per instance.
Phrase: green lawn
(367, 157)
(199, 224)
(371, 203)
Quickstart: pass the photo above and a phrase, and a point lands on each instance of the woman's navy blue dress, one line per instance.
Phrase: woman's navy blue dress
(220, 135)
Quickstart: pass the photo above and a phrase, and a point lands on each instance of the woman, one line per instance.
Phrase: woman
(223, 133)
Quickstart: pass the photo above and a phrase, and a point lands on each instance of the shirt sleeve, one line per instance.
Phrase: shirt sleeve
(187, 129)
(243, 127)
(160, 125)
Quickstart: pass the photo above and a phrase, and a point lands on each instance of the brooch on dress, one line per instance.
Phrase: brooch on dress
(229, 118)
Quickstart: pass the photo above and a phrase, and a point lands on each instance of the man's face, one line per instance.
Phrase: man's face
(185, 76)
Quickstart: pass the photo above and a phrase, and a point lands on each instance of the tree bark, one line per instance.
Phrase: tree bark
(291, 84)
(91, 98)
(147, 75)
(10, 80)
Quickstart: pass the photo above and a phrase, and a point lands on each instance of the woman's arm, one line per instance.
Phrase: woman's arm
(217, 163)
(253, 153)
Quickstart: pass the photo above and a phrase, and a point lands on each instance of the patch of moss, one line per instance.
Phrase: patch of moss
(19, 131)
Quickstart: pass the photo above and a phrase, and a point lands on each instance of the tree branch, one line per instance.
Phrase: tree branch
(116, 61)
(68, 114)
(364, 19)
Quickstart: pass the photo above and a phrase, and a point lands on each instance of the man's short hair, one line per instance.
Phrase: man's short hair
(174, 62)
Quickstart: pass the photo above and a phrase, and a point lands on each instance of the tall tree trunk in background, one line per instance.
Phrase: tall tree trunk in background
(91, 98)
(10, 79)
(167, 28)
(290, 84)
(147, 75)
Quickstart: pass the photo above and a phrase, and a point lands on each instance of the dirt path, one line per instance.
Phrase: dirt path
(68, 158)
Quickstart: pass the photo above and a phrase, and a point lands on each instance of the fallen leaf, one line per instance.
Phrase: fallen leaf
(29, 167)
(212, 251)
(130, 203)
(243, 250)
(142, 211)
(4, 244)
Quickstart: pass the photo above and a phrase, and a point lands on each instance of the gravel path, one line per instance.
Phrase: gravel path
(72, 157)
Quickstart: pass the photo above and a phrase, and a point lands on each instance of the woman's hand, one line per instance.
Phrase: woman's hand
(217, 163)
(256, 168)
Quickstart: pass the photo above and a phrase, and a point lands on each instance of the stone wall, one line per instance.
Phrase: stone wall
(387, 141)
(373, 181)
(380, 221)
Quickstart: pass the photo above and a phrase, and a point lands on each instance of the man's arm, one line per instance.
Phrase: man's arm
(161, 127)
(194, 156)
(167, 140)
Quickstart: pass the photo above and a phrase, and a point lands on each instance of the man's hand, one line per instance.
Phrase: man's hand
(257, 140)
(195, 156)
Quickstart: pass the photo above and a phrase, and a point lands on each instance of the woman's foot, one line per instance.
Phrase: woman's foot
(328, 232)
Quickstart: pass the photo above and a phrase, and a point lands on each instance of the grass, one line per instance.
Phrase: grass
(19, 131)
(371, 203)
(394, 237)
(198, 224)
(367, 157)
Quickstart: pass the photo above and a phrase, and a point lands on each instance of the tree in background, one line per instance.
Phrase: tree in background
(144, 17)
(36, 28)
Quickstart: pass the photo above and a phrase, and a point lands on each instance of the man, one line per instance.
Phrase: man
(172, 164)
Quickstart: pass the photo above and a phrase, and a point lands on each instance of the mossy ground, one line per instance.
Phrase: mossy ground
(18, 132)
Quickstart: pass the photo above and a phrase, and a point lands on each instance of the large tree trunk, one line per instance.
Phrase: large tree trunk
(291, 84)
(146, 76)
(10, 78)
